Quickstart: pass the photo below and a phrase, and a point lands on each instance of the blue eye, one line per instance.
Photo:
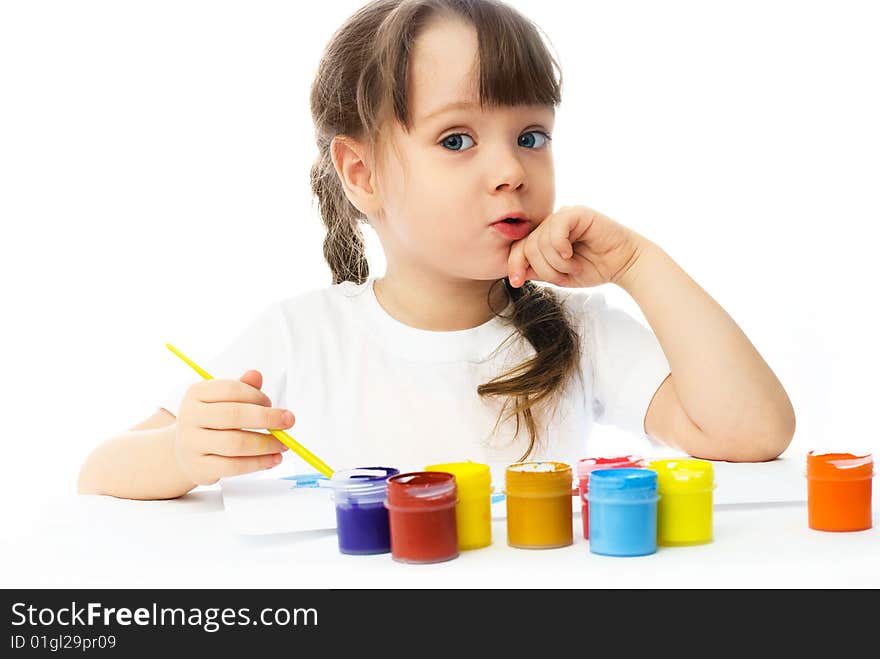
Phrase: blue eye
(543, 135)
(455, 139)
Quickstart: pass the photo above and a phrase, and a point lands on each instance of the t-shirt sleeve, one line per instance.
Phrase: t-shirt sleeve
(627, 364)
(262, 345)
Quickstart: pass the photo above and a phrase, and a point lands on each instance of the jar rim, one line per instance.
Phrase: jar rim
(538, 478)
(622, 479)
(361, 480)
(587, 465)
(840, 465)
(683, 474)
(421, 488)
(539, 467)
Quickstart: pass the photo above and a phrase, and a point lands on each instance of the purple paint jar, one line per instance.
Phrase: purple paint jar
(361, 516)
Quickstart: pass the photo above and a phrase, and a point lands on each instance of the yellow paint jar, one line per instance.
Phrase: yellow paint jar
(539, 505)
(473, 512)
(684, 512)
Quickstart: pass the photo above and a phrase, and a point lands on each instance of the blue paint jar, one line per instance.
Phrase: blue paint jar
(623, 511)
(361, 517)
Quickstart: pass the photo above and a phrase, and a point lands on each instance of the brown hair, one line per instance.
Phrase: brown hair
(361, 80)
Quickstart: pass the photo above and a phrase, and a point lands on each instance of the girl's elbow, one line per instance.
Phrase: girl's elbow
(90, 478)
(784, 436)
(756, 444)
(771, 449)
(85, 483)
(770, 444)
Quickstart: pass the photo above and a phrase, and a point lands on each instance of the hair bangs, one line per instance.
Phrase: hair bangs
(515, 68)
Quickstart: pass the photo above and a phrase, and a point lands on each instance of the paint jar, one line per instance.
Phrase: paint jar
(623, 511)
(473, 512)
(361, 516)
(839, 491)
(684, 514)
(539, 506)
(421, 512)
(585, 466)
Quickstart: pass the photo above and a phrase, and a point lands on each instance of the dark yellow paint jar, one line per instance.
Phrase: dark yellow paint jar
(539, 505)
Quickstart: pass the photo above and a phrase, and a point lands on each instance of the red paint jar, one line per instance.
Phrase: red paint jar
(839, 491)
(586, 465)
(421, 516)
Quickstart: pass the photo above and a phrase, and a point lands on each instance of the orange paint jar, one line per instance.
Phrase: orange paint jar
(539, 505)
(839, 491)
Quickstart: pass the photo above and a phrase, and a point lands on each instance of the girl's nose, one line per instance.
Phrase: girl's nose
(509, 172)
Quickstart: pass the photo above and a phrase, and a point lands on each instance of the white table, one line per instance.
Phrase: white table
(93, 541)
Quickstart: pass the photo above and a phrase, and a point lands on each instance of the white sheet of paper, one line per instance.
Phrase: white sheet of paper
(260, 506)
(779, 481)
(265, 503)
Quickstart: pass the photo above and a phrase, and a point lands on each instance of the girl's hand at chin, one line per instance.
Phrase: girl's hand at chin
(575, 247)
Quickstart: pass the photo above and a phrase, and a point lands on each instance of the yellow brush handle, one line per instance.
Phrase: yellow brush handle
(302, 452)
(198, 369)
(282, 436)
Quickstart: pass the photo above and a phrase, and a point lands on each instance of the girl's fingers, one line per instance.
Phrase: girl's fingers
(215, 391)
(540, 265)
(252, 378)
(517, 265)
(530, 275)
(235, 443)
(222, 467)
(558, 234)
(546, 255)
(558, 254)
(237, 416)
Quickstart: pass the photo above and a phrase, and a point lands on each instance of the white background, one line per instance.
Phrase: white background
(154, 170)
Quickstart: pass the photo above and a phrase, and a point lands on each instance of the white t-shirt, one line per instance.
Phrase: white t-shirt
(368, 390)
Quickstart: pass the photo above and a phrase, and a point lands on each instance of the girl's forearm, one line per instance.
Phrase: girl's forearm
(138, 464)
(724, 385)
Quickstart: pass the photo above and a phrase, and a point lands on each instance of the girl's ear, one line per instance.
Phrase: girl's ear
(354, 171)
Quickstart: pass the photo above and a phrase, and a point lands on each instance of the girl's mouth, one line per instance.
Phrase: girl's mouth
(513, 228)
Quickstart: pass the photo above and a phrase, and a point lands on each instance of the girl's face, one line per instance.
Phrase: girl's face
(460, 170)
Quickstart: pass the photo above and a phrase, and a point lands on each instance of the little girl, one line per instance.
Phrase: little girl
(433, 121)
